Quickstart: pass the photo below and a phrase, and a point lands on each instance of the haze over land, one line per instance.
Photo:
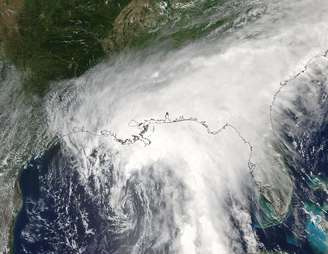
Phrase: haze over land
(188, 138)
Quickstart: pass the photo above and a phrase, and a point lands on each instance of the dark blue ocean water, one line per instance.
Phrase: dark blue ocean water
(302, 232)
(61, 214)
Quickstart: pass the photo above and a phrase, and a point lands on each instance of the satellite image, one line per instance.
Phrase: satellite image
(164, 126)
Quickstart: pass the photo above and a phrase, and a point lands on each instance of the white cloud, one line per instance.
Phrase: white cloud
(228, 80)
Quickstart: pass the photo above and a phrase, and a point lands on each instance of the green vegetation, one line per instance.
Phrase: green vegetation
(174, 21)
(197, 31)
(17, 206)
(269, 216)
(60, 39)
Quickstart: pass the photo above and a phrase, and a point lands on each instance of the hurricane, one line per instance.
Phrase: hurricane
(209, 148)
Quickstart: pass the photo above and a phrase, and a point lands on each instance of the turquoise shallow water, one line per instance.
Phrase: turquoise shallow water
(317, 237)
(63, 214)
